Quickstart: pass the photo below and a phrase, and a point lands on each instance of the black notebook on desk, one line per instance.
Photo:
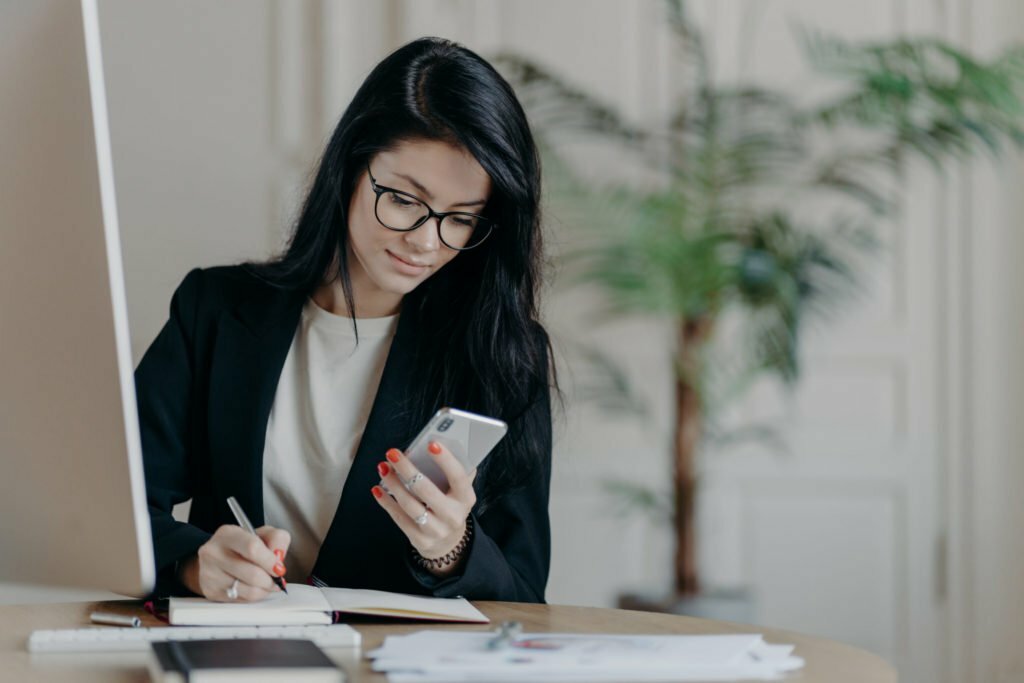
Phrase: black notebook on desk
(249, 660)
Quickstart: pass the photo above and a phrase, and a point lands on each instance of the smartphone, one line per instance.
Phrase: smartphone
(470, 437)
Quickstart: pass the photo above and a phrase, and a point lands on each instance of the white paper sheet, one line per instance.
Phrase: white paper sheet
(428, 656)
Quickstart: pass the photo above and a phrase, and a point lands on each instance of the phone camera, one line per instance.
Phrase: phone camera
(443, 427)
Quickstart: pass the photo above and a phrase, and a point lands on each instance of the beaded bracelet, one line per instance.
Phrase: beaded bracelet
(451, 556)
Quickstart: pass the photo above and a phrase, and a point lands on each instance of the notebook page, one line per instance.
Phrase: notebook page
(400, 605)
(301, 605)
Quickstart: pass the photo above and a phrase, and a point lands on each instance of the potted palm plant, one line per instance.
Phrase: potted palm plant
(720, 227)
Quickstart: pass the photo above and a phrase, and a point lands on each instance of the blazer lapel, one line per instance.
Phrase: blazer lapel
(361, 529)
(250, 350)
(249, 354)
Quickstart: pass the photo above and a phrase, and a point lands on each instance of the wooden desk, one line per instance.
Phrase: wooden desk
(827, 662)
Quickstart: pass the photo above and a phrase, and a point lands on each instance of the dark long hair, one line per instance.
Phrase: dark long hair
(483, 349)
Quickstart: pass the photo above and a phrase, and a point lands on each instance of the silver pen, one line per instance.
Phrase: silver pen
(244, 522)
(115, 619)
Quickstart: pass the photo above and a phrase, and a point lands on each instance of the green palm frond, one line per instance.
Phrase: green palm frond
(644, 239)
(606, 384)
(558, 107)
(790, 272)
(728, 145)
(761, 434)
(866, 177)
(928, 97)
(629, 498)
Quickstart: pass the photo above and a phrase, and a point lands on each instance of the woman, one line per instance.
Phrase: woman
(409, 284)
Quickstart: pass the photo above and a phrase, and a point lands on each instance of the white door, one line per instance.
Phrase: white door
(845, 535)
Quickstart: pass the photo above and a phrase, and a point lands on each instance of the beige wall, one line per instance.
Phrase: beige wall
(190, 99)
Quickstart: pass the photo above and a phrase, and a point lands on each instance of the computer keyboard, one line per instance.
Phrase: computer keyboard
(107, 639)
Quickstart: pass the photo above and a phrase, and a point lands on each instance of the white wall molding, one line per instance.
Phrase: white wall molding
(954, 376)
(758, 494)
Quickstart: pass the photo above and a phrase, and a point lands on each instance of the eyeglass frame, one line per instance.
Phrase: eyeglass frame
(378, 190)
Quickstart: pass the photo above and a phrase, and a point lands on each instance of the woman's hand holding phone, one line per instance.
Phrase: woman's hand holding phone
(233, 553)
(433, 521)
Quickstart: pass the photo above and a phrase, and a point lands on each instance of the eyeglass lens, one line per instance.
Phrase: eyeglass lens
(402, 212)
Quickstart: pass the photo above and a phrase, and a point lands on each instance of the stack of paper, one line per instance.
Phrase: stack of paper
(434, 656)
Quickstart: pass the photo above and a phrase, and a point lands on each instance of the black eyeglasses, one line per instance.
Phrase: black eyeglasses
(404, 212)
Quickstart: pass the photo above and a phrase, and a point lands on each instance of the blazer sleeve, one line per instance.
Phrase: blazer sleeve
(510, 555)
(164, 387)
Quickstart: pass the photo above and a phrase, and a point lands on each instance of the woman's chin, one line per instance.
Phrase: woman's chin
(398, 285)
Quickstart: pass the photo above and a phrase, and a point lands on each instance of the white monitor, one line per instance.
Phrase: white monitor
(72, 494)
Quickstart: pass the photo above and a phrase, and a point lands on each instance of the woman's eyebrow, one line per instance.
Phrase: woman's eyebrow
(419, 186)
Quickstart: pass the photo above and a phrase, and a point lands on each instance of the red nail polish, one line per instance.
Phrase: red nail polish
(279, 569)
(394, 454)
(434, 447)
(383, 469)
(279, 553)
(377, 491)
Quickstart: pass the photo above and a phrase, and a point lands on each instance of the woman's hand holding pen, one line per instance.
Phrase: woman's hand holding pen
(434, 522)
(233, 553)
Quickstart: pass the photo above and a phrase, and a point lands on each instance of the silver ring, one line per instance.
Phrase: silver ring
(233, 590)
(413, 480)
(422, 519)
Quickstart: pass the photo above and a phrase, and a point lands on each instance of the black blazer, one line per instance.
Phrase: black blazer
(205, 388)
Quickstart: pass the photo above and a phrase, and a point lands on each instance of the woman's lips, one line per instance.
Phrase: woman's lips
(405, 267)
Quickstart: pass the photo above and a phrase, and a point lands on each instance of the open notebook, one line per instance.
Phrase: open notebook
(311, 605)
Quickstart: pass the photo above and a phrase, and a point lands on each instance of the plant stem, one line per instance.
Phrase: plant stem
(693, 335)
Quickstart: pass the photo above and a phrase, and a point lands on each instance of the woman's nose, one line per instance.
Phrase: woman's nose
(425, 238)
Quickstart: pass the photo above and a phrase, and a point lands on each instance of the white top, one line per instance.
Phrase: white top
(323, 400)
